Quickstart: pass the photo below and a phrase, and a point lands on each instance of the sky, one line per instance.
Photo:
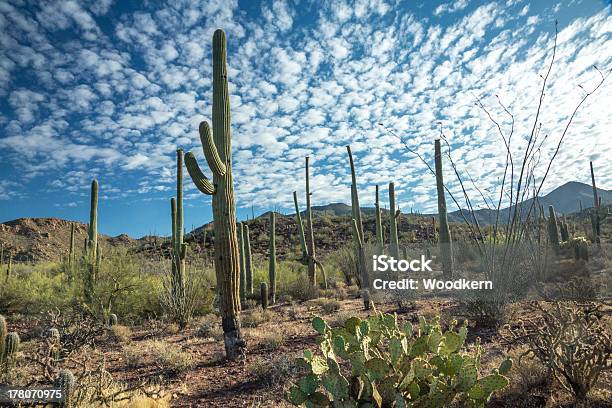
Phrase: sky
(108, 90)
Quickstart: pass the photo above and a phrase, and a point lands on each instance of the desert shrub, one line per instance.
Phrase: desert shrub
(279, 370)
(487, 311)
(255, 317)
(168, 357)
(35, 289)
(327, 306)
(301, 289)
(121, 333)
(210, 330)
(389, 365)
(572, 341)
(272, 340)
(528, 373)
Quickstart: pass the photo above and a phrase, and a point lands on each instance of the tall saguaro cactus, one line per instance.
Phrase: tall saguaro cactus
(359, 238)
(380, 241)
(595, 216)
(218, 152)
(444, 236)
(92, 245)
(272, 259)
(71, 253)
(553, 230)
(248, 259)
(307, 239)
(242, 259)
(393, 215)
(179, 247)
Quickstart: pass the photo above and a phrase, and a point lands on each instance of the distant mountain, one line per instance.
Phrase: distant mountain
(566, 199)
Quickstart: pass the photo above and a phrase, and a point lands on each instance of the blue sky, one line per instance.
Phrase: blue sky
(108, 89)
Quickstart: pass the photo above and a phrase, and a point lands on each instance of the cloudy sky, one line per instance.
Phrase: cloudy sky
(109, 90)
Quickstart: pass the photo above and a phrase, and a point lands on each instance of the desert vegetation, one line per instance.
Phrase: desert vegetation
(235, 318)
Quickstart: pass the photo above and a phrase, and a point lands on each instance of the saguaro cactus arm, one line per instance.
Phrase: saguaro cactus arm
(300, 226)
(199, 179)
(210, 151)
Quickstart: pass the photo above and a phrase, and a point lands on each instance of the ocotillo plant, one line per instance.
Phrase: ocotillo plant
(242, 263)
(359, 238)
(179, 247)
(445, 242)
(553, 231)
(272, 258)
(92, 246)
(380, 240)
(218, 151)
(308, 245)
(393, 216)
(248, 259)
(2, 253)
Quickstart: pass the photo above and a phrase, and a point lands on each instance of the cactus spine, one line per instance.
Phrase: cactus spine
(248, 260)
(359, 238)
(179, 247)
(553, 230)
(263, 289)
(444, 237)
(218, 151)
(393, 216)
(272, 259)
(242, 262)
(380, 240)
(92, 245)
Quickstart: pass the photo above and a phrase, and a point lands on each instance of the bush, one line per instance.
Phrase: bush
(121, 333)
(255, 317)
(278, 370)
(572, 341)
(393, 366)
(328, 306)
(167, 356)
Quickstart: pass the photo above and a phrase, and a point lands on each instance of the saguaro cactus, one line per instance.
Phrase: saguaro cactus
(218, 151)
(71, 253)
(595, 216)
(242, 262)
(308, 245)
(179, 247)
(3, 332)
(380, 240)
(66, 382)
(11, 345)
(272, 258)
(248, 259)
(553, 230)
(393, 216)
(92, 246)
(444, 238)
(263, 292)
(359, 238)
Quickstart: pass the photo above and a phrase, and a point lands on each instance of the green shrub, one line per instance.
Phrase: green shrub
(393, 366)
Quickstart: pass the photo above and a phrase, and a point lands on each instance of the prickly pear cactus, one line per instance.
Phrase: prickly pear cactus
(388, 365)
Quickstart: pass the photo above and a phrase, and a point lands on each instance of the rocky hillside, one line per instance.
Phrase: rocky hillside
(36, 239)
